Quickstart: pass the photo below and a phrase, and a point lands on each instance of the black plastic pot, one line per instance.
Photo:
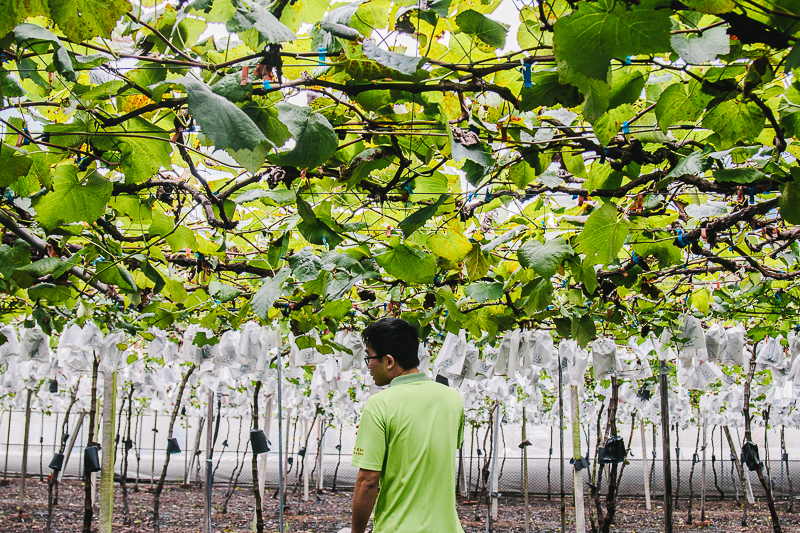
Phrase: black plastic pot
(258, 441)
(613, 452)
(91, 459)
(53, 386)
(172, 446)
(57, 463)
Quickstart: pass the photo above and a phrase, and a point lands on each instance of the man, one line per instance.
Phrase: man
(407, 440)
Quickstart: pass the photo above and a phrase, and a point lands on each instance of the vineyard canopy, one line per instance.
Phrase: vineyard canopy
(478, 165)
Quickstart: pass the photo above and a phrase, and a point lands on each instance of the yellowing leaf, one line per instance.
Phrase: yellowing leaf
(454, 247)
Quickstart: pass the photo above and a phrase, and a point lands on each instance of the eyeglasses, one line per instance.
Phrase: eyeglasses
(366, 359)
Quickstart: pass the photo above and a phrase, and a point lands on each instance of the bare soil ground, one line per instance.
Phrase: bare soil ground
(182, 510)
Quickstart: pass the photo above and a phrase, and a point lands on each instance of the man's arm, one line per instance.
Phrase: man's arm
(365, 493)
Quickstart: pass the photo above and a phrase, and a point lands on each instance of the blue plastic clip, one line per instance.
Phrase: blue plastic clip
(603, 155)
(636, 259)
(752, 196)
(628, 60)
(526, 76)
(488, 196)
(408, 188)
(322, 53)
(474, 129)
(778, 295)
(626, 128)
(267, 85)
(26, 139)
(325, 241)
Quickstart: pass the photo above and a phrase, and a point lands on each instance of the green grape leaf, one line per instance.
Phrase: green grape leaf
(548, 91)
(789, 202)
(268, 294)
(626, 88)
(545, 258)
(50, 292)
(696, 50)
(226, 126)
(603, 236)
(739, 175)
(675, 106)
(792, 59)
(315, 140)
(735, 121)
(14, 165)
(205, 339)
(279, 196)
(32, 36)
(400, 62)
(13, 257)
(305, 264)
(583, 329)
(42, 267)
(336, 309)
(608, 125)
(478, 25)
(15, 11)
(74, 198)
(409, 264)
(712, 7)
(541, 294)
(222, 291)
(85, 19)
(254, 16)
(417, 219)
(483, 292)
(591, 37)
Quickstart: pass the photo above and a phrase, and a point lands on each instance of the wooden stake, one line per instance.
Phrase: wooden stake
(662, 382)
(577, 477)
(25, 452)
(107, 466)
(703, 474)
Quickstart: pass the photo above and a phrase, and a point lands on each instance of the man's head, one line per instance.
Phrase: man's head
(392, 349)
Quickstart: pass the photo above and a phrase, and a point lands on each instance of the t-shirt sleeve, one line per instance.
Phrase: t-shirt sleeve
(370, 448)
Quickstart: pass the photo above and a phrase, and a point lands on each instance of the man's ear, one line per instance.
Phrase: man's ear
(391, 361)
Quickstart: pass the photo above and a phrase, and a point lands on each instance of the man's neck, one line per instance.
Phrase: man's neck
(406, 373)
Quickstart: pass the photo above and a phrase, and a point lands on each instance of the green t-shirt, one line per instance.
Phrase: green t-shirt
(410, 433)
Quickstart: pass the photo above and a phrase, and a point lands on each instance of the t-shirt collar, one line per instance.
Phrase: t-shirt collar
(409, 378)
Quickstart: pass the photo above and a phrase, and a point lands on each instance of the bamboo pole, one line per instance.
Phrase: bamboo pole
(703, 473)
(209, 464)
(577, 477)
(492, 514)
(662, 383)
(525, 471)
(262, 459)
(281, 467)
(563, 504)
(106, 518)
(71, 444)
(153, 454)
(304, 459)
(645, 470)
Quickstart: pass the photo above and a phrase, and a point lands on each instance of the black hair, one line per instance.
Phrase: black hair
(396, 337)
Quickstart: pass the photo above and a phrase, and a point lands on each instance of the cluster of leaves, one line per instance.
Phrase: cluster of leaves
(610, 166)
